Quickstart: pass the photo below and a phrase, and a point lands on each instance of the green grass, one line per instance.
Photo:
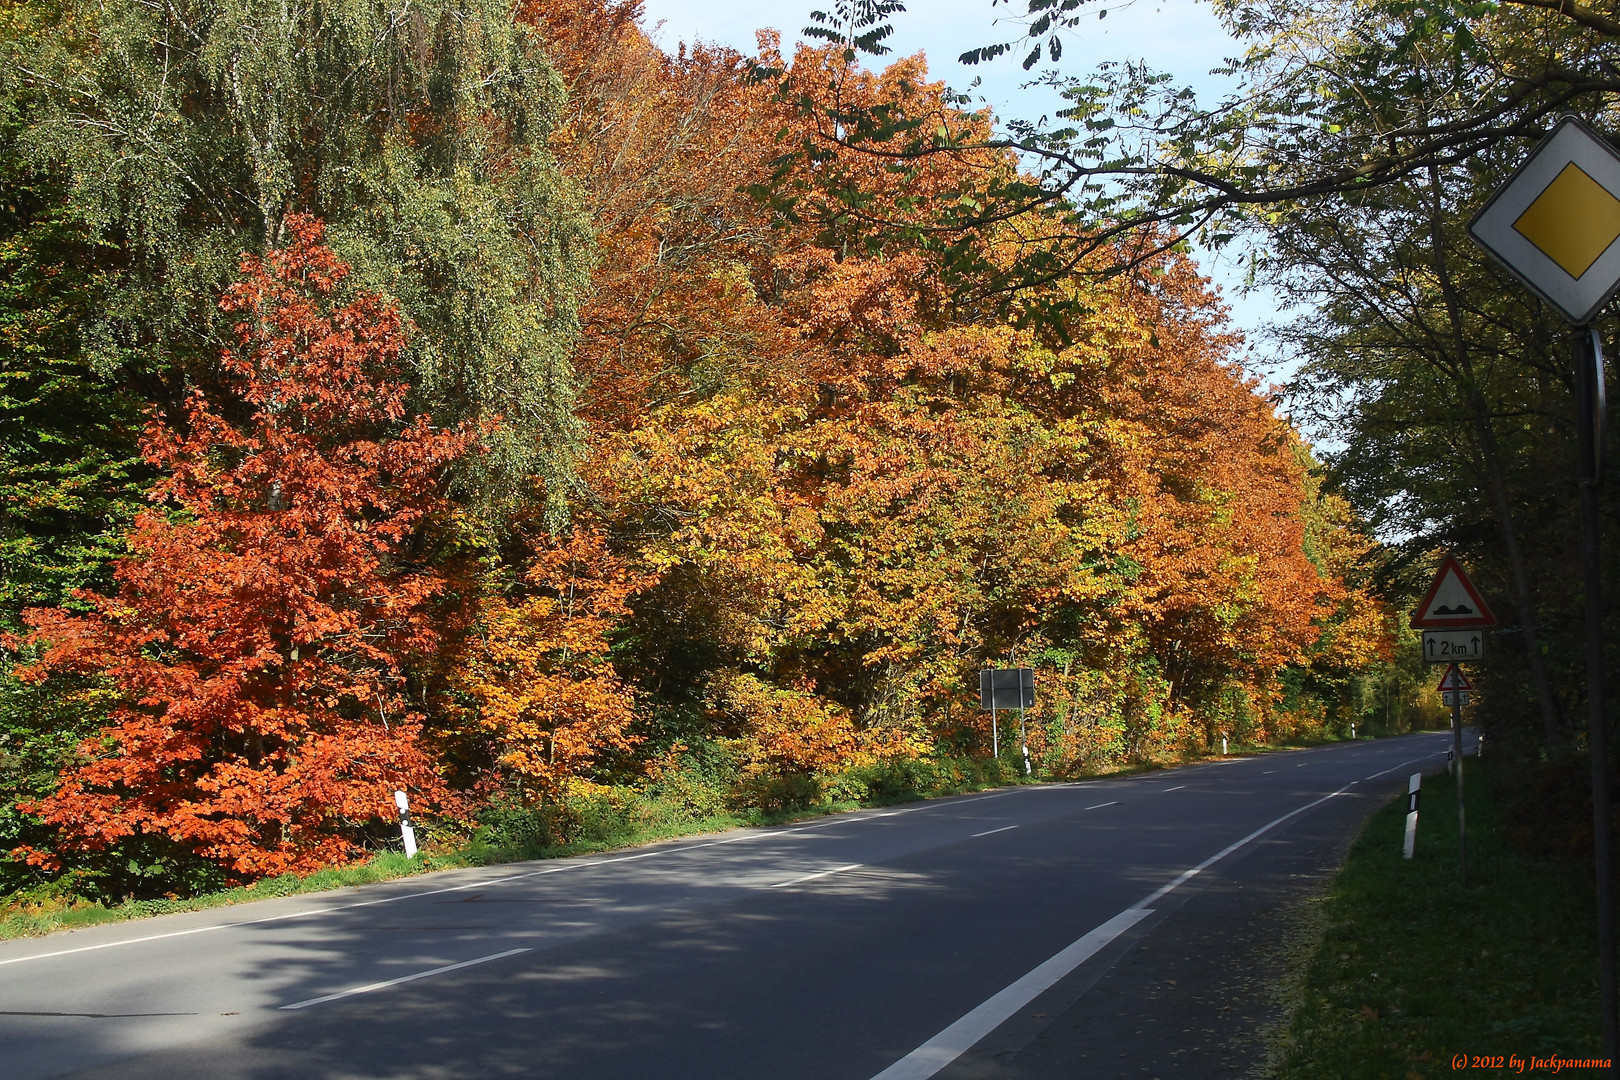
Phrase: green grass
(1414, 969)
(30, 919)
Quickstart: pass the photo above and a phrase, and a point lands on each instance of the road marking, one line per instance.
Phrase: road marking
(487, 883)
(1268, 772)
(1302, 764)
(403, 979)
(812, 877)
(1178, 787)
(1402, 765)
(992, 832)
(956, 1040)
(507, 879)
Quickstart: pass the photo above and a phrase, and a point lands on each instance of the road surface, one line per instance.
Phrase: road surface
(966, 936)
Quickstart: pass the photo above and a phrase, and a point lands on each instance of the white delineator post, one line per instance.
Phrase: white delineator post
(1352, 733)
(1412, 792)
(407, 832)
(1023, 737)
(1223, 746)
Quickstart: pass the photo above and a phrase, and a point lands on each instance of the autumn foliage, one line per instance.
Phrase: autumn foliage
(275, 595)
(854, 484)
(537, 673)
(824, 484)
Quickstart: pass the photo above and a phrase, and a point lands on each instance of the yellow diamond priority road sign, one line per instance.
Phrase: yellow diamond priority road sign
(1556, 221)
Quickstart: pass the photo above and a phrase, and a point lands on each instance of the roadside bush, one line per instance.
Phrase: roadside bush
(697, 782)
(779, 793)
(517, 827)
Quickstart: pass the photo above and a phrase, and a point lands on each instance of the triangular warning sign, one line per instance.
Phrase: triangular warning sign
(1452, 602)
(1454, 679)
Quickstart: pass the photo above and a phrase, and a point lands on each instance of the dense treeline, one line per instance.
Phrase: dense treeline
(1448, 384)
(1358, 139)
(483, 403)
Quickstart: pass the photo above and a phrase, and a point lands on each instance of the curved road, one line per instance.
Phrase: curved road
(968, 936)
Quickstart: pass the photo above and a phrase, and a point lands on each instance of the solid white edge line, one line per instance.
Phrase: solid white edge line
(402, 979)
(959, 1038)
(955, 1040)
(489, 883)
(818, 874)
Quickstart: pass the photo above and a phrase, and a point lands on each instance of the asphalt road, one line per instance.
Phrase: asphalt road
(1004, 934)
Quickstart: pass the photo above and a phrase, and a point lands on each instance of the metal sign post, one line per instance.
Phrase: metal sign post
(1554, 225)
(1007, 688)
(1453, 616)
(1462, 810)
(1454, 687)
(1589, 412)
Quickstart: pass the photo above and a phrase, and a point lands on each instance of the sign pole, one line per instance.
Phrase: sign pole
(1554, 225)
(1588, 409)
(995, 734)
(1462, 818)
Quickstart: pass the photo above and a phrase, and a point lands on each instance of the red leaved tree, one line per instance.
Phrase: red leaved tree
(274, 597)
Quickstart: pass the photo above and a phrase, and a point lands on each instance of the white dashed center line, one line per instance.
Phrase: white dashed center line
(812, 877)
(402, 979)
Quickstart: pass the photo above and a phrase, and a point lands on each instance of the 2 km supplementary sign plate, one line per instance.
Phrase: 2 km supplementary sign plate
(1453, 646)
(1452, 602)
(1555, 222)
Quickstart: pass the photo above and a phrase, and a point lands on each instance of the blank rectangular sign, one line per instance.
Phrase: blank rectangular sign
(1007, 688)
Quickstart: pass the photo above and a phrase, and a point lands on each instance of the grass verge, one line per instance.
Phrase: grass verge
(1417, 975)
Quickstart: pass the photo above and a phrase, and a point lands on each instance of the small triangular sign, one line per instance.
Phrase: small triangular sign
(1454, 679)
(1452, 602)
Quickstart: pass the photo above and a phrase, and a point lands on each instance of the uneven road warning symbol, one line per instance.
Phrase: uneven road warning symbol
(1556, 222)
(1452, 602)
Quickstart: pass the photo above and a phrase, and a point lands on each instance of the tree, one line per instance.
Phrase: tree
(537, 669)
(186, 133)
(261, 632)
(1333, 100)
(71, 479)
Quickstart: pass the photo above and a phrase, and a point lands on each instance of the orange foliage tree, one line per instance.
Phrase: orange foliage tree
(537, 671)
(275, 596)
(826, 480)
(855, 481)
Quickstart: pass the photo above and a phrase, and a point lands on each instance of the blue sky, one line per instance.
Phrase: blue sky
(1176, 36)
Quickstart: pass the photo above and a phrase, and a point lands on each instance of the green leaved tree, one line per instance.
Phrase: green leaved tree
(185, 134)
